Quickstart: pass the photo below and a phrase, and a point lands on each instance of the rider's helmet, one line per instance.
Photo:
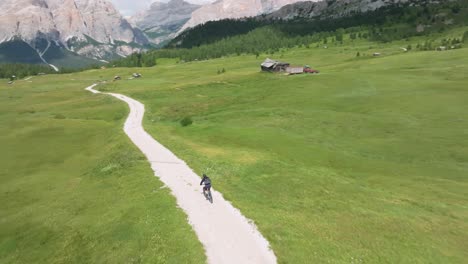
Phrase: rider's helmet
(204, 175)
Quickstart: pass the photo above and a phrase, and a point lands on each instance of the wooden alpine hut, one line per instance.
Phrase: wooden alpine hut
(270, 65)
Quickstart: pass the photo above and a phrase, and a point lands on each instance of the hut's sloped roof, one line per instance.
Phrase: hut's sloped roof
(269, 63)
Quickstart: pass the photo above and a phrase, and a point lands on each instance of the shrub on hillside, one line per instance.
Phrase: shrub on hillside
(59, 116)
(186, 121)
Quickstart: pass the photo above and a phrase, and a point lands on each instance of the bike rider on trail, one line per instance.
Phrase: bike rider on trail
(207, 181)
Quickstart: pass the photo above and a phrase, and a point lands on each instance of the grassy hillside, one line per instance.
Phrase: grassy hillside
(63, 58)
(73, 188)
(365, 162)
(389, 23)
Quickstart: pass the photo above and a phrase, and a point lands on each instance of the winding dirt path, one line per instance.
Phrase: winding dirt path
(228, 237)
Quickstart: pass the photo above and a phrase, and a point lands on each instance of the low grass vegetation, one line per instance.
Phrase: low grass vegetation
(73, 187)
(366, 162)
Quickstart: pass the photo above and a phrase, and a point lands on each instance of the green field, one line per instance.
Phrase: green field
(74, 189)
(366, 162)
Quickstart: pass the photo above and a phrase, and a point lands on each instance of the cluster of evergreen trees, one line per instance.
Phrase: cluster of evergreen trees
(7, 71)
(137, 60)
(265, 39)
(465, 37)
(213, 31)
(388, 23)
(21, 70)
(454, 43)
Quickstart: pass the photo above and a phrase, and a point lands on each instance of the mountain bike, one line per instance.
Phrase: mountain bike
(207, 194)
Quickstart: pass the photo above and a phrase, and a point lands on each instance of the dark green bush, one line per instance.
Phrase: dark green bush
(186, 121)
(59, 116)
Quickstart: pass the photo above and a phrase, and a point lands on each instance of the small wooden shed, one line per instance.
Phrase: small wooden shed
(274, 66)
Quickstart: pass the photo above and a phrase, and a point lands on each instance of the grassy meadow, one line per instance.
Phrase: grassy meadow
(366, 162)
(74, 189)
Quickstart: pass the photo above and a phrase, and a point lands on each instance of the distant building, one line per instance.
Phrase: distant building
(270, 65)
(274, 66)
(295, 70)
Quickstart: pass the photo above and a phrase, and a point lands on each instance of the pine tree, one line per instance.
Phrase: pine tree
(465, 37)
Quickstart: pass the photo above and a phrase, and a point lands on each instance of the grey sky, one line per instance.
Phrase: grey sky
(129, 7)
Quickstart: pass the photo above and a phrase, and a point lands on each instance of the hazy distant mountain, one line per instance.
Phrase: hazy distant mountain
(90, 28)
(223, 9)
(162, 20)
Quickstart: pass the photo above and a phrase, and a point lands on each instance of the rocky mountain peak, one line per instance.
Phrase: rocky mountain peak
(224, 9)
(308, 9)
(162, 20)
(70, 23)
(176, 3)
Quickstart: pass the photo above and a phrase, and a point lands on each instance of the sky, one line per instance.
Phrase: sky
(130, 7)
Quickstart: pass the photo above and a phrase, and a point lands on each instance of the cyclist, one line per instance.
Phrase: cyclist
(207, 181)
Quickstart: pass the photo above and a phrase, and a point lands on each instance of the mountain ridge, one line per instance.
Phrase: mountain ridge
(232, 9)
(402, 18)
(88, 28)
(161, 20)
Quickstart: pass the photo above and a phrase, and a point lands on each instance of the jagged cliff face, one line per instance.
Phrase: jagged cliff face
(105, 23)
(25, 18)
(223, 9)
(328, 8)
(93, 28)
(162, 20)
(269, 6)
(171, 13)
(67, 18)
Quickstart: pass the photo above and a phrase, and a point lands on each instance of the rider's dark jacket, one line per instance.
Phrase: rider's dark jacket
(206, 181)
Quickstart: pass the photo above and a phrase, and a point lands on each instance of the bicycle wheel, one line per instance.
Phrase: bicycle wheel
(210, 197)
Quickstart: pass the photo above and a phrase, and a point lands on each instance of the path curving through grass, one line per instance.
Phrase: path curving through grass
(228, 236)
